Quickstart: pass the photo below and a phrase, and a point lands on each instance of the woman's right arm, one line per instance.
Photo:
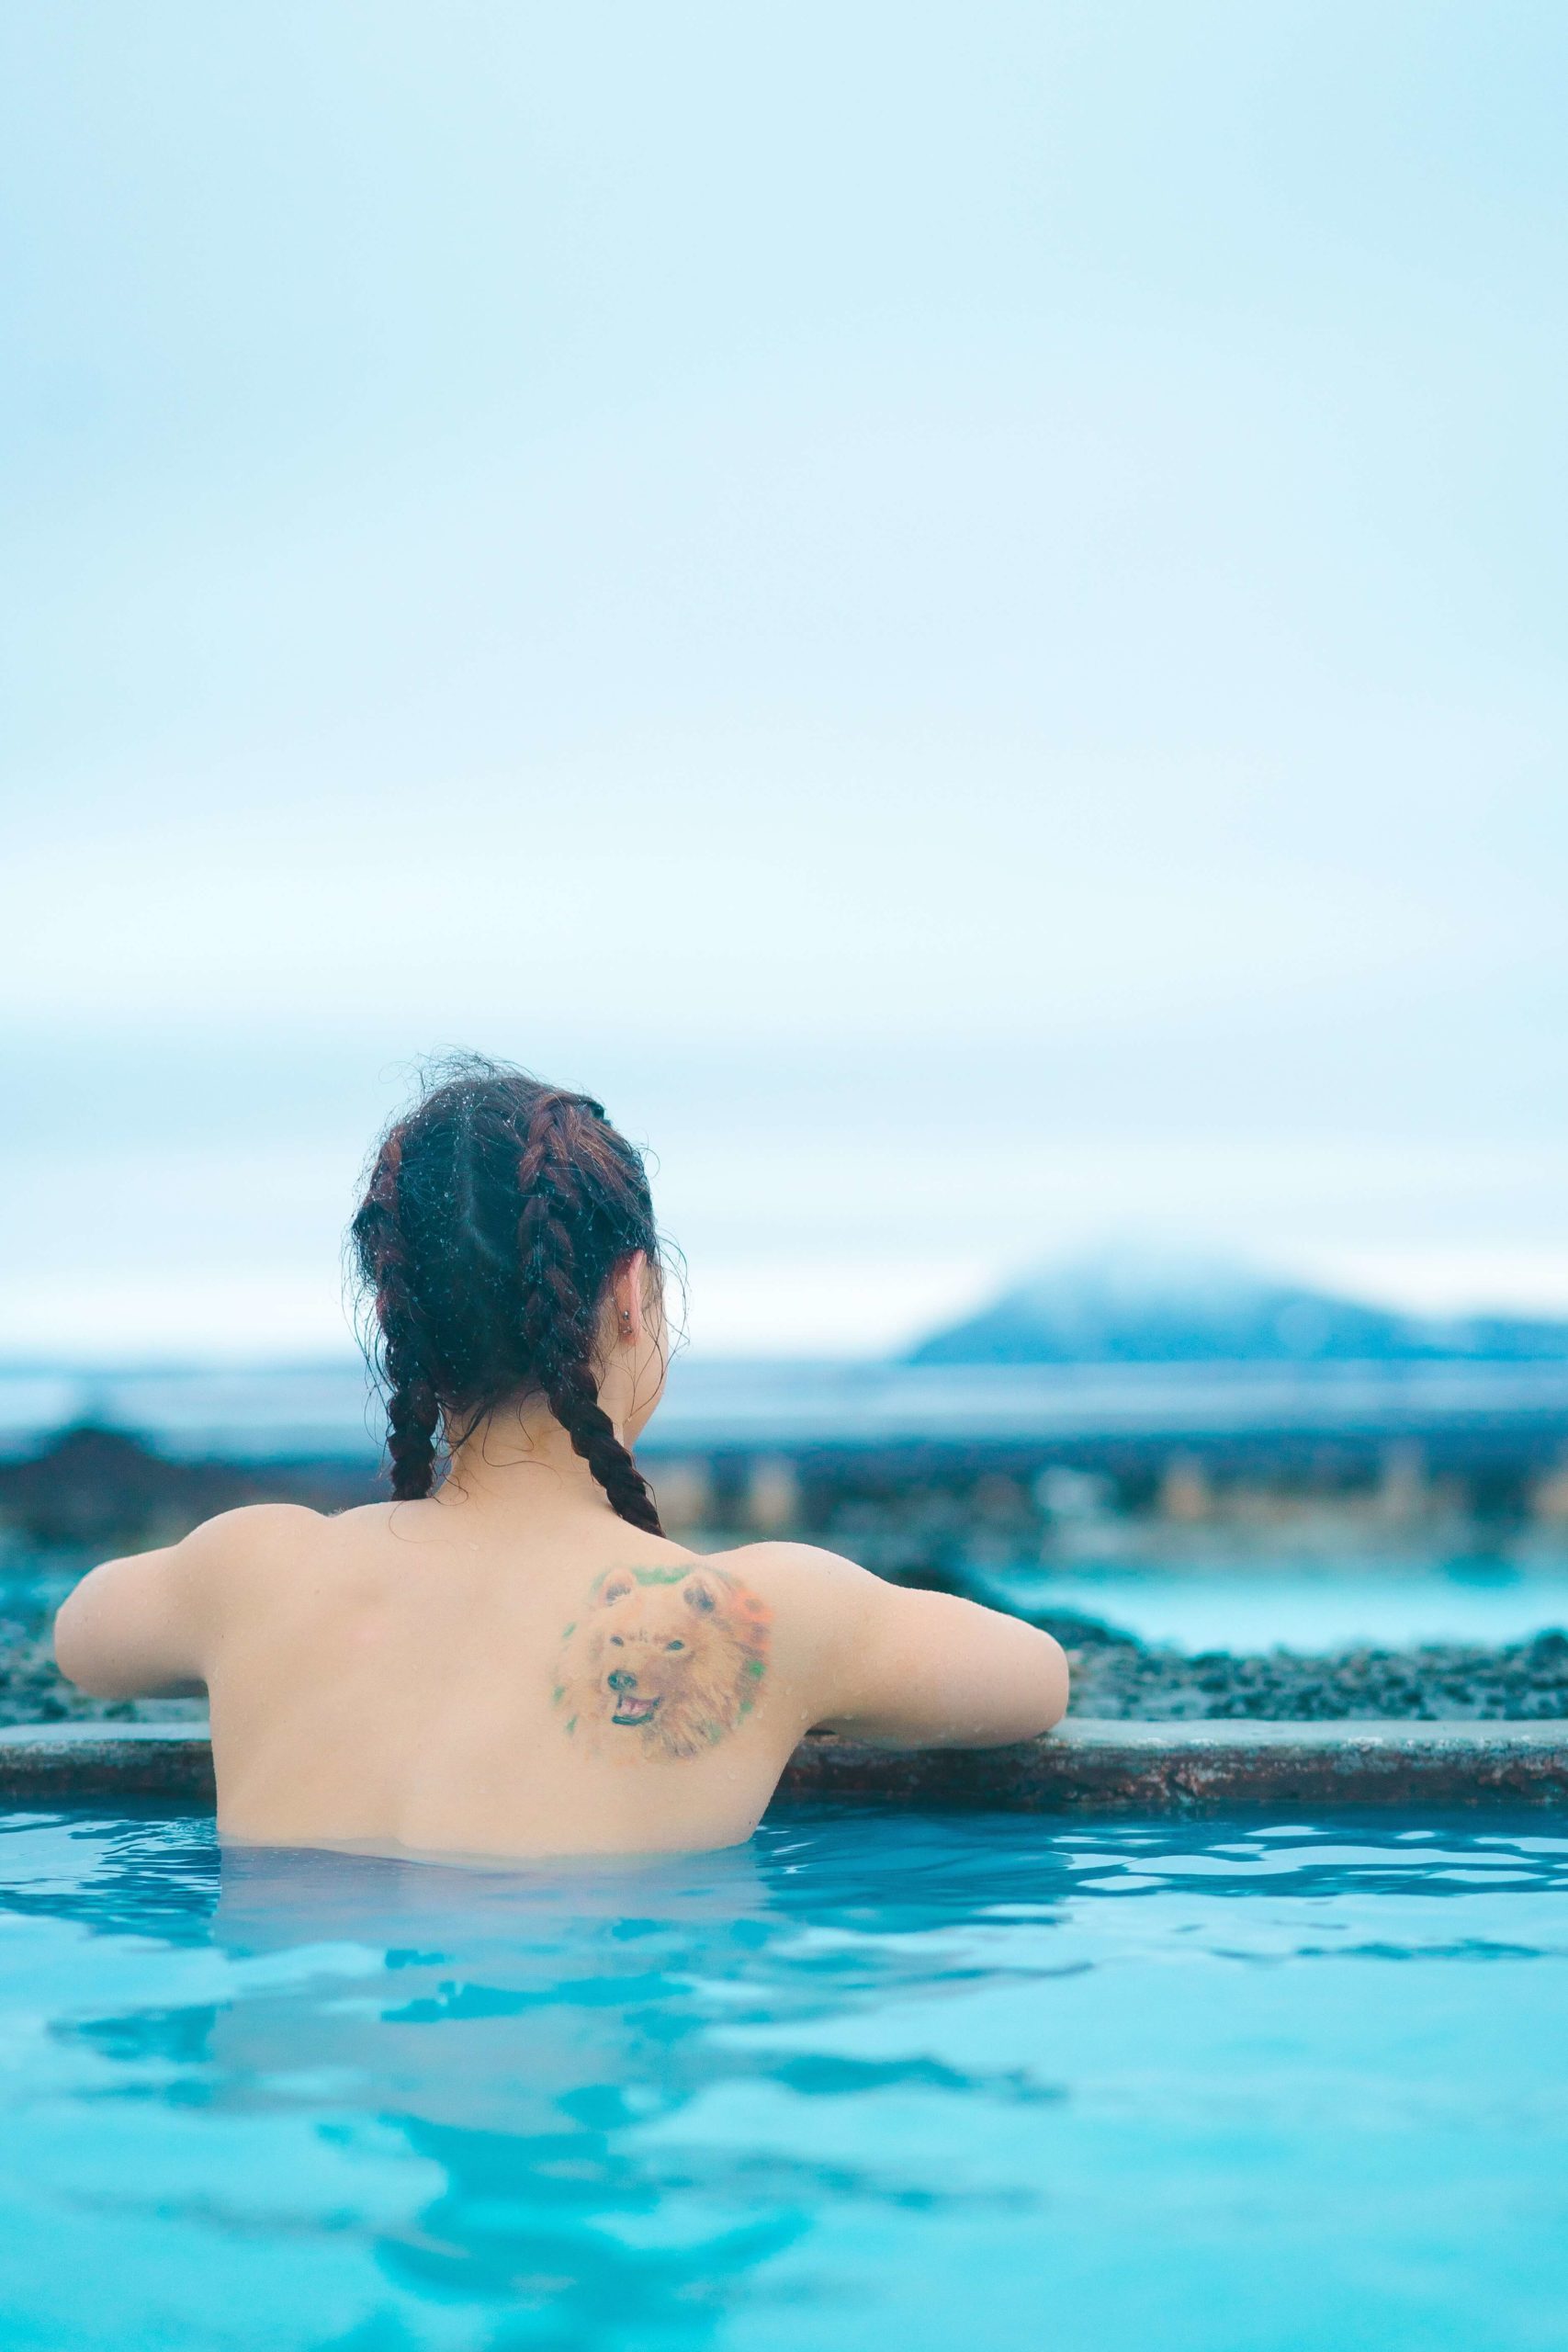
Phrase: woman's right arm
(900, 1668)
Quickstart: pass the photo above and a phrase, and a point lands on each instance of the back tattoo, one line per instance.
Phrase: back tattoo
(663, 1661)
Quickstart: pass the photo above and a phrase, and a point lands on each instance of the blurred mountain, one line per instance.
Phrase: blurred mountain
(1124, 1307)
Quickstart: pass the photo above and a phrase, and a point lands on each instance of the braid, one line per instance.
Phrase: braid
(558, 1318)
(411, 1408)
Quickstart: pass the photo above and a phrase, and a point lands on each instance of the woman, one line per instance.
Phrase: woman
(516, 1660)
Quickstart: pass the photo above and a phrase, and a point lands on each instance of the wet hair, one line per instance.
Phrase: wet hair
(496, 1214)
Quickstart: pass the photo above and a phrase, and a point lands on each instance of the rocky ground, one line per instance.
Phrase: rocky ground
(1112, 1674)
(32, 1693)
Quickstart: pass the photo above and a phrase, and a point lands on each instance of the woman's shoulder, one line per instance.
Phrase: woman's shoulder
(274, 1538)
(802, 1578)
(254, 1527)
(785, 1559)
(250, 1539)
(802, 1563)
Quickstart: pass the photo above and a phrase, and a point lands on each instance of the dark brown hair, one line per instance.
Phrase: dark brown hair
(495, 1215)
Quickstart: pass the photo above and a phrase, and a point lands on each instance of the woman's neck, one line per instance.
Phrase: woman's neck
(520, 1453)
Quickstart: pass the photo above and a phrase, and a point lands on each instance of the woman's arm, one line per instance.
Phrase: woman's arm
(923, 1669)
(143, 1627)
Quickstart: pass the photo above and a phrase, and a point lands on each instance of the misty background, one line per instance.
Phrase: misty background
(961, 615)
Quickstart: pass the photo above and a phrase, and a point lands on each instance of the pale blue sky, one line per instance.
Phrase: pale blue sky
(961, 610)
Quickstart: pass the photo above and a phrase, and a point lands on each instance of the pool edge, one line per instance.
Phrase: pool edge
(1089, 1766)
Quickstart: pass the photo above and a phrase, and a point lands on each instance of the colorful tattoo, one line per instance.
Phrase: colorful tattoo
(663, 1661)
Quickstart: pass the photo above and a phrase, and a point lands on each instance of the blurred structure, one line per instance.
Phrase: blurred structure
(1113, 1456)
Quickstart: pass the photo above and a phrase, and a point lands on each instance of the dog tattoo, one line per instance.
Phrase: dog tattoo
(663, 1661)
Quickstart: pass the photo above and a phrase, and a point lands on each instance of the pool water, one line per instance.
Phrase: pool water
(1331, 1606)
(877, 2080)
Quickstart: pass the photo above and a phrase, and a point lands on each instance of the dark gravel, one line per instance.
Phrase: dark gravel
(1112, 1674)
(32, 1693)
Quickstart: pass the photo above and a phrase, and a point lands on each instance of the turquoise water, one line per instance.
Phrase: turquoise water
(877, 2080)
(1255, 1607)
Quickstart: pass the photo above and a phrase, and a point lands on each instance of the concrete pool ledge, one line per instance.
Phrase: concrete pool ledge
(1100, 1765)
(1089, 1766)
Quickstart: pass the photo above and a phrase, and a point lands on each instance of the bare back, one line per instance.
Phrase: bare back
(477, 1675)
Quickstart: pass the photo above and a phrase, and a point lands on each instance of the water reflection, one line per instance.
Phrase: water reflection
(531, 2038)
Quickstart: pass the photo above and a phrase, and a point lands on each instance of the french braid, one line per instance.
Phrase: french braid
(558, 1316)
(411, 1410)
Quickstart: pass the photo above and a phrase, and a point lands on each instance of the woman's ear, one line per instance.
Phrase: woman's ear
(627, 1294)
